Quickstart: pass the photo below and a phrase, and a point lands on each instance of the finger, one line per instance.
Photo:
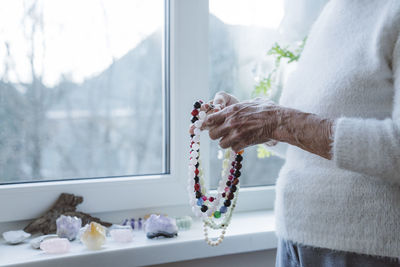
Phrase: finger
(220, 99)
(228, 140)
(191, 129)
(214, 119)
(205, 107)
(219, 131)
(238, 146)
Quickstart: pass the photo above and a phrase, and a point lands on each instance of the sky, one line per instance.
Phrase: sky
(80, 38)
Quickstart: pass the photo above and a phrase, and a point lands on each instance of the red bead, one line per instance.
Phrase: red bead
(211, 199)
(230, 177)
(196, 187)
(195, 112)
(233, 163)
(196, 171)
(204, 198)
(232, 170)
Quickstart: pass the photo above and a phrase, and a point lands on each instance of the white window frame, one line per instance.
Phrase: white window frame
(188, 69)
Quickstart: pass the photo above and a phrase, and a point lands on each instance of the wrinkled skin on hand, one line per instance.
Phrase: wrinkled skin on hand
(239, 125)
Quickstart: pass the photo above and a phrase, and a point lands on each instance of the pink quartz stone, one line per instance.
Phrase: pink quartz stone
(55, 245)
(122, 235)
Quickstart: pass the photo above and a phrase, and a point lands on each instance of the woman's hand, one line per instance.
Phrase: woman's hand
(257, 121)
(221, 100)
(243, 124)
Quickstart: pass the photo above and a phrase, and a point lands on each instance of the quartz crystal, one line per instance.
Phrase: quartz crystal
(160, 226)
(35, 243)
(122, 235)
(68, 227)
(94, 236)
(55, 245)
(15, 237)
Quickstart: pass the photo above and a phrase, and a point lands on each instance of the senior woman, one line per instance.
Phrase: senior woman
(338, 194)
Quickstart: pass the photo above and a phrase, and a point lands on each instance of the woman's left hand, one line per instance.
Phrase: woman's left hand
(258, 121)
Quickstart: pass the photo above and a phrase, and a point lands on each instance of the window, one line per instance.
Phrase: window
(79, 115)
(239, 38)
(81, 89)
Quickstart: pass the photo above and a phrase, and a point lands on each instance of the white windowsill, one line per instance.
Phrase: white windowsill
(249, 231)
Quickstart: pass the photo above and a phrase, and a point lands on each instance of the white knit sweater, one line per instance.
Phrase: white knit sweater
(350, 71)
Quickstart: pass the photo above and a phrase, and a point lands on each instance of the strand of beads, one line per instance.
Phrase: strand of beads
(202, 205)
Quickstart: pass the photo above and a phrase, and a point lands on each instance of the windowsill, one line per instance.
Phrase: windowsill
(249, 231)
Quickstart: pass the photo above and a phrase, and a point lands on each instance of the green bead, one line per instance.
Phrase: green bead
(217, 214)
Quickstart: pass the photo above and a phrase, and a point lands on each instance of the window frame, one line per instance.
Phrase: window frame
(186, 51)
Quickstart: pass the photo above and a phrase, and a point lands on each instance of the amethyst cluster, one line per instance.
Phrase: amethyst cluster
(68, 227)
(160, 226)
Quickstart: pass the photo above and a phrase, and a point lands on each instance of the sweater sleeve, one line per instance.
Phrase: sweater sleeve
(372, 146)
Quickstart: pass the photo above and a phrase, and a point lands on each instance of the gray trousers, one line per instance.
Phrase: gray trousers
(295, 255)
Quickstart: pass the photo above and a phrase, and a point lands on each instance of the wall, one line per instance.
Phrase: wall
(264, 258)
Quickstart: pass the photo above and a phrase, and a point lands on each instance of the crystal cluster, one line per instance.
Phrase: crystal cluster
(184, 222)
(68, 227)
(122, 235)
(15, 237)
(160, 226)
(94, 236)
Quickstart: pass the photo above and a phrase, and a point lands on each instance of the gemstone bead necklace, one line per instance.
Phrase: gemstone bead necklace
(206, 206)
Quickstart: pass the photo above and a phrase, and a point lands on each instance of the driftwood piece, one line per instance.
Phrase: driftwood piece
(65, 205)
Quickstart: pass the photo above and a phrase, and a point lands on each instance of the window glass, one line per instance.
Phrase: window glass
(240, 34)
(81, 89)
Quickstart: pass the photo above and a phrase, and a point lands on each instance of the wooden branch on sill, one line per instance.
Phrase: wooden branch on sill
(65, 205)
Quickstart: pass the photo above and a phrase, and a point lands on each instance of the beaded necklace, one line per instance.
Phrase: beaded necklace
(206, 207)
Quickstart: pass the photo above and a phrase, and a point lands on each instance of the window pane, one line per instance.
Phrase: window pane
(81, 89)
(240, 33)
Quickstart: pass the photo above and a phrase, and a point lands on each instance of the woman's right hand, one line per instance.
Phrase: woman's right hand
(222, 99)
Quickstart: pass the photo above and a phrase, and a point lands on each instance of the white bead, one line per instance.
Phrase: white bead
(202, 115)
(195, 146)
(198, 124)
(197, 212)
(197, 131)
(209, 212)
(196, 139)
(194, 154)
(193, 161)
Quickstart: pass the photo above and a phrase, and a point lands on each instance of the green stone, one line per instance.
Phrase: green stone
(217, 214)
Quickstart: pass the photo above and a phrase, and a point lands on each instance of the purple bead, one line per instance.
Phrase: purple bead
(133, 223)
(140, 223)
(125, 222)
(223, 209)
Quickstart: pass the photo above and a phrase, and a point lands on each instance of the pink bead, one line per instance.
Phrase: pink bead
(232, 170)
(226, 189)
(204, 198)
(230, 177)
